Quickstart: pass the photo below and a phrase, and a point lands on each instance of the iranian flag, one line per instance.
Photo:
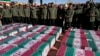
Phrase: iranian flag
(83, 41)
(68, 51)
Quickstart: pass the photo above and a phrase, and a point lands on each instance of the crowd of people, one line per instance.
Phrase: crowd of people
(86, 16)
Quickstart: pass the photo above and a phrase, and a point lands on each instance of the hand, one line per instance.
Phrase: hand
(76, 19)
(92, 15)
(60, 17)
(67, 16)
(0, 17)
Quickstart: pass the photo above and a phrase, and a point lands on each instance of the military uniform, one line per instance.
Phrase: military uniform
(98, 20)
(34, 16)
(44, 16)
(27, 15)
(21, 14)
(85, 19)
(0, 16)
(93, 12)
(6, 13)
(52, 11)
(78, 18)
(14, 12)
(68, 17)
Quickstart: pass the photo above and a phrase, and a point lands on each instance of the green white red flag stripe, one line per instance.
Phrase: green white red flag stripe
(69, 51)
(5, 47)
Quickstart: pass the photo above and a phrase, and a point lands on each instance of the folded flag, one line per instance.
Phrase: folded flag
(5, 47)
(42, 50)
(16, 51)
(69, 51)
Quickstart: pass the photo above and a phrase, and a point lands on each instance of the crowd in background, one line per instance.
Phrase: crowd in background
(86, 16)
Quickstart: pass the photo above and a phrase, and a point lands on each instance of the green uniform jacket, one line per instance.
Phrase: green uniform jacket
(52, 13)
(98, 17)
(0, 12)
(44, 13)
(93, 11)
(14, 11)
(6, 13)
(34, 13)
(27, 12)
(78, 11)
(21, 12)
(69, 15)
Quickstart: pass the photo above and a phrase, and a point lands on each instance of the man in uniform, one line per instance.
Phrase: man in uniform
(52, 13)
(98, 20)
(34, 15)
(44, 14)
(14, 11)
(27, 14)
(85, 18)
(69, 16)
(93, 12)
(78, 16)
(6, 13)
(1, 7)
(21, 13)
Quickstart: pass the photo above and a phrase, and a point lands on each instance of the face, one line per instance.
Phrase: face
(70, 6)
(61, 6)
(88, 5)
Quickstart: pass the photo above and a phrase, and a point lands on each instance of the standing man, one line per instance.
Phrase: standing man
(85, 18)
(21, 13)
(60, 15)
(14, 11)
(1, 7)
(6, 13)
(78, 16)
(52, 13)
(93, 12)
(69, 16)
(27, 14)
(98, 20)
(34, 15)
(44, 14)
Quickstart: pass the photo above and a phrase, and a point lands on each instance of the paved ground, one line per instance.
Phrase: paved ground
(54, 49)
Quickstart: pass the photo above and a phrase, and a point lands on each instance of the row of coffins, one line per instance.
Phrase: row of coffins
(70, 51)
(79, 42)
(27, 40)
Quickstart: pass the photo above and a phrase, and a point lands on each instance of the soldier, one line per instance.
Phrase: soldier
(6, 13)
(52, 13)
(21, 13)
(85, 18)
(98, 20)
(14, 11)
(69, 16)
(27, 14)
(34, 15)
(78, 16)
(39, 13)
(1, 7)
(48, 19)
(44, 14)
(92, 13)
(60, 15)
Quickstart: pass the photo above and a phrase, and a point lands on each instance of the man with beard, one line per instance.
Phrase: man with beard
(44, 14)
(6, 13)
(52, 13)
(27, 14)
